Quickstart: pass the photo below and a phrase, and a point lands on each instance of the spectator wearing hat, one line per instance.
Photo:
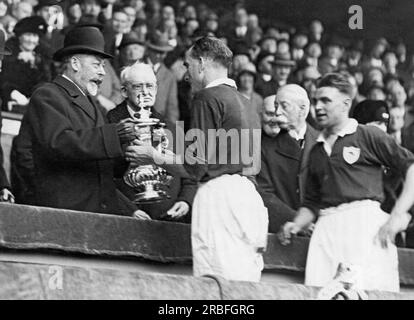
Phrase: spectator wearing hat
(264, 83)
(245, 83)
(52, 13)
(90, 11)
(131, 50)
(28, 66)
(5, 193)
(282, 69)
(166, 102)
(66, 138)
(283, 172)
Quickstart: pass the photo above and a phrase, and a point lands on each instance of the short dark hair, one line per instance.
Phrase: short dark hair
(214, 49)
(338, 81)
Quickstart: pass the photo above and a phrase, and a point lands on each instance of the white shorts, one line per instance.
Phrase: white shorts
(229, 224)
(346, 234)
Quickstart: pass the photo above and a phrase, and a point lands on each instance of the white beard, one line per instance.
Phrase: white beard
(92, 88)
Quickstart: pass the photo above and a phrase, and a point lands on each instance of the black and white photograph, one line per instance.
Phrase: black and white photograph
(186, 152)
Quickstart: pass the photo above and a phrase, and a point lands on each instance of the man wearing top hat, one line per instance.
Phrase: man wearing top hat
(72, 144)
(166, 102)
(5, 193)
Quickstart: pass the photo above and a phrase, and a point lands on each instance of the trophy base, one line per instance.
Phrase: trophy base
(152, 196)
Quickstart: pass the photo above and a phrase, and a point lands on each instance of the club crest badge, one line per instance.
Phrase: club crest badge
(351, 154)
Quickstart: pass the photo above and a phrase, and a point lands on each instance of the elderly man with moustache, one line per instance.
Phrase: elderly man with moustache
(139, 84)
(345, 190)
(229, 220)
(73, 147)
(282, 177)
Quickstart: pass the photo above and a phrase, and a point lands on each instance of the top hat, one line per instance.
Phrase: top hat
(84, 39)
(159, 43)
(130, 38)
(370, 111)
(283, 60)
(4, 51)
(34, 24)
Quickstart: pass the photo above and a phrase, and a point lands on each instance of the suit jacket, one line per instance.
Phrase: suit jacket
(73, 148)
(180, 189)
(166, 102)
(282, 177)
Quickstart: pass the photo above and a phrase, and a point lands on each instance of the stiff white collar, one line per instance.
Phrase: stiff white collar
(67, 78)
(217, 82)
(298, 135)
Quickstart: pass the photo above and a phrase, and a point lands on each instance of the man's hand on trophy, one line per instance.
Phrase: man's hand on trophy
(126, 130)
(139, 154)
(178, 210)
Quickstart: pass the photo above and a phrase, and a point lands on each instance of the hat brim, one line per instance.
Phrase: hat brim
(123, 45)
(61, 53)
(244, 71)
(285, 63)
(159, 48)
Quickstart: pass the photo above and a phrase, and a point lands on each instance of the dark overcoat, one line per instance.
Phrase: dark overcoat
(180, 189)
(282, 176)
(73, 149)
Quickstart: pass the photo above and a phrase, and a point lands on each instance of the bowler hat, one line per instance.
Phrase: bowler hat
(33, 24)
(283, 59)
(159, 43)
(46, 3)
(247, 68)
(83, 39)
(262, 55)
(4, 51)
(371, 110)
(130, 38)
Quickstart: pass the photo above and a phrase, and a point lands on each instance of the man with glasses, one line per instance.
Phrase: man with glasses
(139, 89)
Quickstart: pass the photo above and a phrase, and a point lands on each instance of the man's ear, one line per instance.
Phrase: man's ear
(124, 92)
(347, 104)
(201, 64)
(75, 63)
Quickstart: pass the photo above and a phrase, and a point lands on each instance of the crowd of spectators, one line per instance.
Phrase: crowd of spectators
(266, 55)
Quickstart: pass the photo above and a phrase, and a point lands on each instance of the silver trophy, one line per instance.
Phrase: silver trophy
(150, 182)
